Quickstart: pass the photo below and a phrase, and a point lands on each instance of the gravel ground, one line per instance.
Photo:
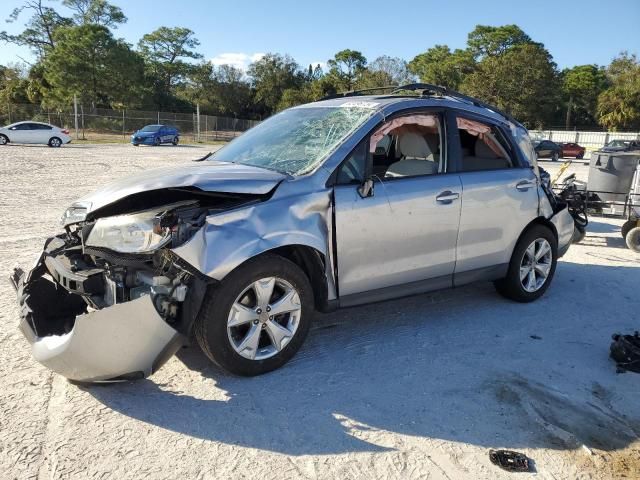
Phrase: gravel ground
(415, 388)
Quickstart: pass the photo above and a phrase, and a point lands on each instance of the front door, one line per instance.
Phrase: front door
(402, 238)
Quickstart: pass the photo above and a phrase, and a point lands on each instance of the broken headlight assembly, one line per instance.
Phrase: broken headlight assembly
(135, 233)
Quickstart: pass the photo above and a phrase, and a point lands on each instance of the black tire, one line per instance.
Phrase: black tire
(3, 139)
(627, 226)
(511, 286)
(633, 239)
(580, 156)
(135, 144)
(156, 141)
(175, 140)
(555, 156)
(579, 232)
(55, 142)
(211, 324)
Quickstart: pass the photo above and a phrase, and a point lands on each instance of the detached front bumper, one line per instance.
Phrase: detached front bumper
(124, 341)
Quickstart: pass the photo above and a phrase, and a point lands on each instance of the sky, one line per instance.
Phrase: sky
(576, 32)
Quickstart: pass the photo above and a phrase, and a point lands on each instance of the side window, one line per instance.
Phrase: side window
(408, 146)
(353, 168)
(483, 146)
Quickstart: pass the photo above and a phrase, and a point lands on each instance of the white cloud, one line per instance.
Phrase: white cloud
(238, 60)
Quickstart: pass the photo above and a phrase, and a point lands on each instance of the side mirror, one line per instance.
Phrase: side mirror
(366, 188)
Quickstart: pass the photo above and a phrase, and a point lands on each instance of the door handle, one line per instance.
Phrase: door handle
(447, 197)
(525, 185)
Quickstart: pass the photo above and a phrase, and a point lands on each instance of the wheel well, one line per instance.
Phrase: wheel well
(544, 222)
(312, 263)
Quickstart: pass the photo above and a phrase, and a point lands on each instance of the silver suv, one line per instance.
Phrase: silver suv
(337, 203)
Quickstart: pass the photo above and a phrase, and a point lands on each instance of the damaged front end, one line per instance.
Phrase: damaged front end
(109, 300)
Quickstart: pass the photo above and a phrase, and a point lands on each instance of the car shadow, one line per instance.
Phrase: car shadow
(463, 365)
(596, 226)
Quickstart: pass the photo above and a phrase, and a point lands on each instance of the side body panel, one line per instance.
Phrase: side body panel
(495, 211)
(401, 234)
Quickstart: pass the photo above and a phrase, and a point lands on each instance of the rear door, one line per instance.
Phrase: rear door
(401, 239)
(500, 198)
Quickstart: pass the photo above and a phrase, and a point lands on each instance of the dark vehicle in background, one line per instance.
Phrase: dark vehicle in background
(572, 150)
(155, 135)
(548, 149)
(621, 146)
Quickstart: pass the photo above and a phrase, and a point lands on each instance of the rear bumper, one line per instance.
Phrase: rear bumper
(125, 341)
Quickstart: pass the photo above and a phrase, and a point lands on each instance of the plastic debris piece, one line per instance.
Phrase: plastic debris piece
(509, 460)
(625, 351)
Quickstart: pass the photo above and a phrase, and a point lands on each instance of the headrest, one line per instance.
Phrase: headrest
(483, 150)
(413, 145)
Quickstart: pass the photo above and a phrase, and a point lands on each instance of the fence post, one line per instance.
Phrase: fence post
(198, 121)
(9, 105)
(158, 118)
(123, 130)
(75, 113)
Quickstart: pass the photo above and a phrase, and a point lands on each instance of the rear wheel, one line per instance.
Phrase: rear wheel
(627, 227)
(156, 141)
(3, 139)
(55, 142)
(555, 156)
(532, 265)
(580, 156)
(633, 239)
(257, 318)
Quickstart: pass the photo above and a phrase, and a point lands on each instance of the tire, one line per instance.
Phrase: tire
(175, 140)
(627, 227)
(4, 139)
(156, 142)
(580, 156)
(135, 144)
(579, 232)
(633, 239)
(55, 142)
(555, 156)
(223, 343)
(512, 286)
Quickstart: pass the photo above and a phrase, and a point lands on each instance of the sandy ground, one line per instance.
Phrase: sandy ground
(415, 388)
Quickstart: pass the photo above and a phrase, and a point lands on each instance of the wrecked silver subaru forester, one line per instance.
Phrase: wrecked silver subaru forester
(337, 203)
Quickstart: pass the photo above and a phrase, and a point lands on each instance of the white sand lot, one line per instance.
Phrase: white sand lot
(415, 388)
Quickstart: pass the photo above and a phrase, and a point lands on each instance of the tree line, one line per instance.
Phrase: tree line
(79, 54)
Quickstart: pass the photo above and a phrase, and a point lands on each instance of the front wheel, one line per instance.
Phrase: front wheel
(580, 156)
(532, 265)
(175, 140)
(555, 156)
(156, 141)
(257, 318)
(3, 139)
(55, 142)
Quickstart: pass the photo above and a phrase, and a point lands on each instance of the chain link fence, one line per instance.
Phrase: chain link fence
(103, 124)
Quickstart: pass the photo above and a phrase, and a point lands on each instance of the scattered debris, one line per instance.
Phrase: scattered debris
(536, 337)
(625, 351)
(509, 460)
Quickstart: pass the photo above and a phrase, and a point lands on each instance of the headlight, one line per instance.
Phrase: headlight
(136, 233)
(75, 213)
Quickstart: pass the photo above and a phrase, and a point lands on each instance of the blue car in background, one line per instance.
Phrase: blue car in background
(155, 135)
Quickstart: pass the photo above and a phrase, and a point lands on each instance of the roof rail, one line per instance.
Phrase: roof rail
(430, 90)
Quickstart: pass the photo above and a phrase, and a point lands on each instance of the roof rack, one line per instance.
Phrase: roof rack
(428, 89)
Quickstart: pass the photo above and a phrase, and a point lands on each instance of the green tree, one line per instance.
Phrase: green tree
(270, 77)
(440, 66)
(90, 63)
(345, 66)
(619, 105)
(486, 41)
(166, 51)
(40, 28)
(96, 12)
(522, 81)
(581, 86)
(394, 68)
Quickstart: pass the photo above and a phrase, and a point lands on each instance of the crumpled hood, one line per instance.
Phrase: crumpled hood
(209, 176)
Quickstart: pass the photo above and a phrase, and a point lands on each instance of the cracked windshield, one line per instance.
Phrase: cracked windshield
(296, 140)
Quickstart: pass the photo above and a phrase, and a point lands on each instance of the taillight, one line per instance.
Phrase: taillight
(65, 131)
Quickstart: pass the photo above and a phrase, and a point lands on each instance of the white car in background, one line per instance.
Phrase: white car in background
(34, 132)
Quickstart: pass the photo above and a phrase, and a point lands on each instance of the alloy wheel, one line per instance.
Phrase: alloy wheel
(264, 318)
(536, 265)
